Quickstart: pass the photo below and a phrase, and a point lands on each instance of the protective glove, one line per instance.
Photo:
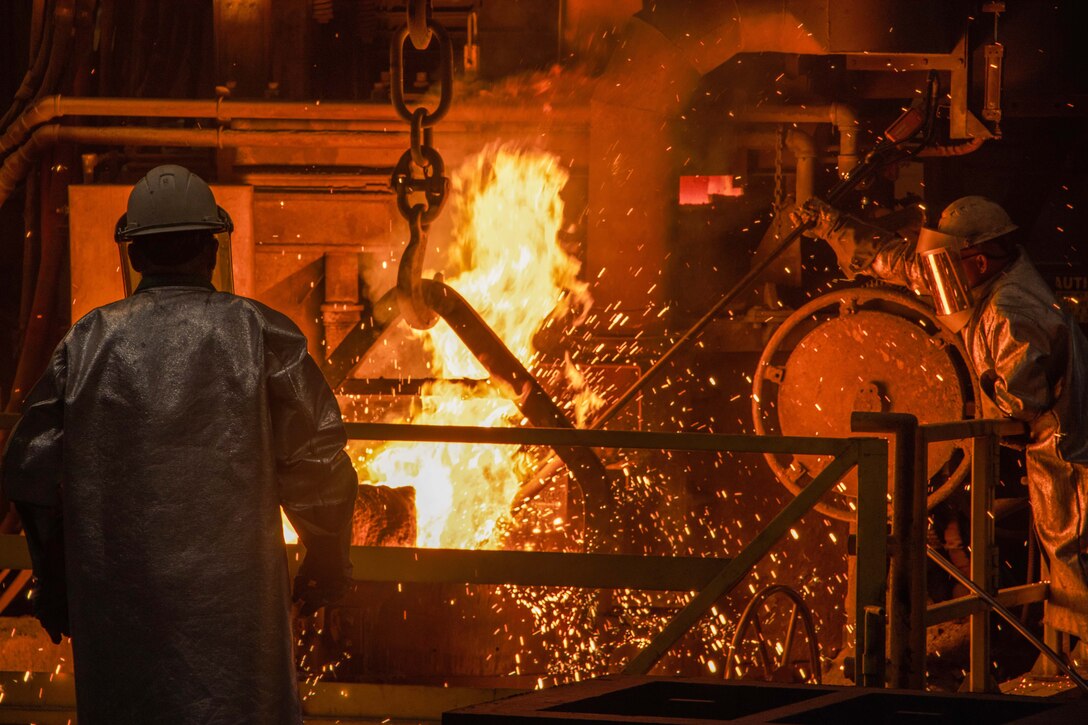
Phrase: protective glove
(310, 595)
(823, 217)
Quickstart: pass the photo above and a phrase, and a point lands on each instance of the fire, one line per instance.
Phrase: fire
(507, 262)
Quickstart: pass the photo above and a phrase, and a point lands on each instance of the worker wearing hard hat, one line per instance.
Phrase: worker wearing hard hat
(149, 469)
(1031, 359)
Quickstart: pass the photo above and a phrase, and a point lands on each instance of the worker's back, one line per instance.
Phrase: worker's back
(187, 417)
(171, 508)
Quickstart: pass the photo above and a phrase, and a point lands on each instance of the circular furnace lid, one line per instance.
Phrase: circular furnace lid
(865, 349)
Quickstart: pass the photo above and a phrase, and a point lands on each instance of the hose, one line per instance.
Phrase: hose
(26, 89)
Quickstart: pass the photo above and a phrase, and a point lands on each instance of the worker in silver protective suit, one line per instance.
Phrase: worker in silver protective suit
(149, 468)
(1031, 359)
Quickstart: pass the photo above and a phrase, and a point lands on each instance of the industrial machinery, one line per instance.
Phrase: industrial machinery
(602, 244)
(867, 349)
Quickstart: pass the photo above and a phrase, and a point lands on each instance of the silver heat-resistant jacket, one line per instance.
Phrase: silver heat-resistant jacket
(1031, 359)
(167, 432)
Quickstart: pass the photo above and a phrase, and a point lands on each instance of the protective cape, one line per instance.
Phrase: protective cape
(1032, 363)
(166, 432)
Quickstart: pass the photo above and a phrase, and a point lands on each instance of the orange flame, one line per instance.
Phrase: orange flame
(509, 265)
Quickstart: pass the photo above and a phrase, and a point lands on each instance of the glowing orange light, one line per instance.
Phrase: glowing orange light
(508, 264)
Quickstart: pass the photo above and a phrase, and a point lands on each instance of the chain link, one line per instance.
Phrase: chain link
(419, 16)
(419, 179)
(779, 199)
(417, 138)
(445, 74)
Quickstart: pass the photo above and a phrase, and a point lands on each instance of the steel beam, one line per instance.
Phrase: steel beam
(906, 575)
(45, 697)
(707, 442)
(871, 572)
(957, 430)
(468, 566)
(339, 363)
(985, 465)
(965, 606)
(529, 396)
(534, 568)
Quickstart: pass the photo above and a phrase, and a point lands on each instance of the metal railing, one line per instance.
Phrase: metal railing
(710, 582)
(709, 578)
(908, 615)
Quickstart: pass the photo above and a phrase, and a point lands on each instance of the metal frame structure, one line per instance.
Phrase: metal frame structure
(908, 615)
(709, 578)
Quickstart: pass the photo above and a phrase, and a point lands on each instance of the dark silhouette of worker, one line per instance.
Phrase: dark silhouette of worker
(1031, 359)
(149, 468)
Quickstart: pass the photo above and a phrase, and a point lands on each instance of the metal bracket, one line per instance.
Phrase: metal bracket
(961, 122)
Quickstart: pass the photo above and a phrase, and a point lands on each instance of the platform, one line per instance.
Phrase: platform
(679, 701)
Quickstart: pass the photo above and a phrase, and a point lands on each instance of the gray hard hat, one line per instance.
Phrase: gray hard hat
(975, 219)
(170, 199)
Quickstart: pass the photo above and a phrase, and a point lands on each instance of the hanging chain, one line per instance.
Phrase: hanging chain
(419, 177)
(779, 200)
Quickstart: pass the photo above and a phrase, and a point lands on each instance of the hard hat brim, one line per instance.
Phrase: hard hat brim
(124, 234)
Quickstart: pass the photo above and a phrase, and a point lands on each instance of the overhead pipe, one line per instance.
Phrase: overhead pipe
(803, 148)
(18, 163)
(381, 115)
(387, 127)
(38, 329)
(31, 247)
(840, 115)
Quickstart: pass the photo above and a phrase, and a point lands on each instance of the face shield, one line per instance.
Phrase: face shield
(206, 216)
(942, 268)
(222, 275)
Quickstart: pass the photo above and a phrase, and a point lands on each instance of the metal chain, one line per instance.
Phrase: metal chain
(779, 200)
(419, 177)
(419, 16)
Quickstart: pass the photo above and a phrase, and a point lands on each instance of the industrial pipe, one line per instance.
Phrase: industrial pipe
(43, 297)
(381, 115)
(62, 13)
(37, 29)
(62, 42)
(843, 117)
(17, 164)
(803, 149)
